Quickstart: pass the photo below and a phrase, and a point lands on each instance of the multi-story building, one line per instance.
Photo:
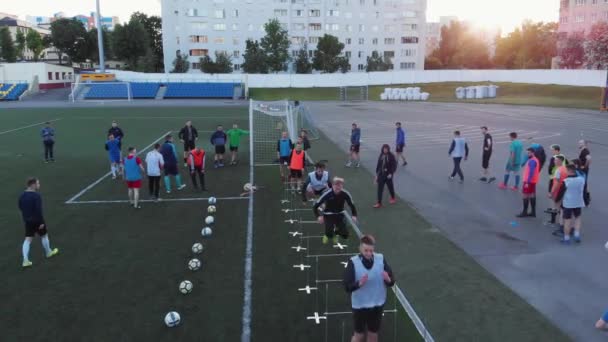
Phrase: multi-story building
(393, 28)
(578, 16)
(16, 25)
(88, 21)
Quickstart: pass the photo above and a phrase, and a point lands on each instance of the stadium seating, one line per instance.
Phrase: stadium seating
(199, 90)
(12, 91)
(107, 91)
(144, 90)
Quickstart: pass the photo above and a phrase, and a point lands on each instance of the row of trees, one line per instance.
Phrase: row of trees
(531, 46)
(11, 51)
(590, 51)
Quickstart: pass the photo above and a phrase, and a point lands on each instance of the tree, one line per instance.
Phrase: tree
(34, 43)
(180, 64)
(153, 26)
(572, 52)
(432, 63)
(375, 62)
(596, 47)
(7, 47)
(327, 56)
(275, 45)
(531, 46)
(460, 48)
(130, 42)
(20, 44)
(302, 63)
(91, 52)
(148, 62)
(222, 64)
(255, 61)
(68, 37)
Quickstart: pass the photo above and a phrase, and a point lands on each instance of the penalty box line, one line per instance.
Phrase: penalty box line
(28, 126)
(92, 185)
(185, 199)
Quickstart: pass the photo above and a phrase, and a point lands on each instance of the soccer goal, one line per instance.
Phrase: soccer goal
(354, 93)
(100, 91)
(267, 121)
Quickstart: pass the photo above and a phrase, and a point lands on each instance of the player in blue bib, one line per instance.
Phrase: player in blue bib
(113, 148)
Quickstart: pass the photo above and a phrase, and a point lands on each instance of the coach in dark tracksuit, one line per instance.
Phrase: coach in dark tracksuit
(117, 133)
(333, 213)
(385, 168)
(188, 136)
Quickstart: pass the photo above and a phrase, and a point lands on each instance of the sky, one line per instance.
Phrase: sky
(504, 14)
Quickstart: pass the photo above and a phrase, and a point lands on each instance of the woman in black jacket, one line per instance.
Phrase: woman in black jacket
(385, 168)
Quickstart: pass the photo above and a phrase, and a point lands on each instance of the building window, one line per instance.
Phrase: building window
(314, 13)
(56, 76)
(235, 27)
(375, 41)
(298, 13)
(347, 54)
(333, 13)
(389, 28)
(298, 40)
(199, 26)
(409, 40)
(407, 65)
(579, 18)
(580, 2)
(192, 12)
(361, 54)
(389, 54)
(409, 14)
(349, 28)
(361, 41)
(348, 15)
(332, 27)
(177, 40)
(199, 52)
(389, 41)
(250, 27)
(218, 40)
(360, 67)
(196, 66)
(361, 28)
(235, 13)
(348, 41)
(593, 17)
(563, 20)
(315, 27)
(280, 12)
(313, 40)
(311, 53)
(236, 67)
(298, 27)
(50, 76)
(236, 54)
(374, 28)
(220, 14)
(219, 27)
(235, 41)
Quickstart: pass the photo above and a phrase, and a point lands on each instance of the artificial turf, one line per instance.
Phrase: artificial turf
(119, 269)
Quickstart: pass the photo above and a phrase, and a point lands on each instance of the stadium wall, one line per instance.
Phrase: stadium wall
(47, 76)
(579, 78)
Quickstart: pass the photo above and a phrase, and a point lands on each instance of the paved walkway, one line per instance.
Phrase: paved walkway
(567, 284)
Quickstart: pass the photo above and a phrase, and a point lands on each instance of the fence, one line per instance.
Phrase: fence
(590, 78)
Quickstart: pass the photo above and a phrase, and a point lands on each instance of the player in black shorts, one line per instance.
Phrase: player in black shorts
(488, 144)
(218, 139)
(188, 136)
(333, 213)
(30, 204)
(366, 278)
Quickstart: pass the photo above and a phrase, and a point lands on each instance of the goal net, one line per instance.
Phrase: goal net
(267, 121)
(354, 93)
(100, 91)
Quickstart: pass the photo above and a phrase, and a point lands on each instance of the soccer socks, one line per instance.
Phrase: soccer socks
(136, 198)
(526, 203)
(46, 244)
(533, 205)
(167, 183)
(113, 169)
(517, 181)
(25, 249)
(178, 180)
(506, 179)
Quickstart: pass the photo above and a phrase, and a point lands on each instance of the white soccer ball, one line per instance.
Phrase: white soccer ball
(206, 231)
(197, 248)
(606, 245)
(194, 264)
(212, 200)
(247, 187)
(211, 209)
(209, 220)
(172, 319)
(185, 287)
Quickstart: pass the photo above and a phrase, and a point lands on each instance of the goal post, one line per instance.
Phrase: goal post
(268, 120)
(100, 91)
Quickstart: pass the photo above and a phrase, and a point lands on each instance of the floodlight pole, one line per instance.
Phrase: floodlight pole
(102, 62)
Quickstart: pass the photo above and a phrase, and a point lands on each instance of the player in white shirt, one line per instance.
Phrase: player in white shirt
(317, 183)
(154, 163)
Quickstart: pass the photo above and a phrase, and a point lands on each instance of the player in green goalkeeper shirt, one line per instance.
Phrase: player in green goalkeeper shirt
(234, 141)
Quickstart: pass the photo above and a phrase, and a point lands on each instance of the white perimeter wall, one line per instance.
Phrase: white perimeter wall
(592, 78)
(25, 72)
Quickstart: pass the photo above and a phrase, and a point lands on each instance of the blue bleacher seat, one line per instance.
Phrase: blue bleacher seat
(15, 90)
(199, 90)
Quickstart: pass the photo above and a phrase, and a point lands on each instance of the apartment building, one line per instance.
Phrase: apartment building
(394, 28)
(578, 16)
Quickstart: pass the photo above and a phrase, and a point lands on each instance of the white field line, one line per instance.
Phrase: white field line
(92, 185)
(28, 126)
(185, 199)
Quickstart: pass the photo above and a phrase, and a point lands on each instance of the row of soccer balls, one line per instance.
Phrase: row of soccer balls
(172, 318)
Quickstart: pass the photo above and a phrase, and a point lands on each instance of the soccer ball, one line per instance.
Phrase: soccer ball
(194, 264)
(211, 209)
(197, 248)
(212, 200)
(206, 231)
(209, 220)
(606, 245)
(247, 187)
(172, 319)
(185, 287)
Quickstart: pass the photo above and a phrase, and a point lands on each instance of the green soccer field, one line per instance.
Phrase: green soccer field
(118, 270)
